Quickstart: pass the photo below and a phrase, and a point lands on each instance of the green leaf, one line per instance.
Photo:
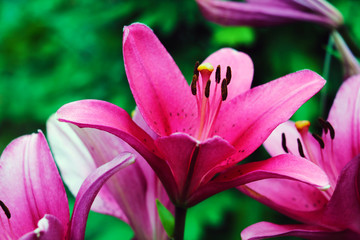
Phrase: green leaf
(233, 36)
(166, 218)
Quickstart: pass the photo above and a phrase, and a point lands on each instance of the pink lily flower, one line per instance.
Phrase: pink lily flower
(201, 131)
(129, 195)
(330, 214)
(33, 199)
(270, 12)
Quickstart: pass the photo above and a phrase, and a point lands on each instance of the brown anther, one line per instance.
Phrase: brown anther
(331, 130)
(5, 209)
(228, 75)
(196, 71)
(193, 84)
(283, 143)
(217, 74)
(207, 88)
(224, 91)
(300, 148)
(323, 125)
(319, 140)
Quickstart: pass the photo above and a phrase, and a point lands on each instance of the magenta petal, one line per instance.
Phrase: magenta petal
(178, 150)
(262, 230)
(345, 118)
(79, 151)
(89, 190)
(192, 162)
(212, 158)
(160, 90)
(104, 116)
(30, 185)
(343, 210)
(77, 156)
(256, 13)
(49, 228)
(283, 166)
(295, 199)
(261, 109)
(139, 120)
(110, 118)
(242, 70)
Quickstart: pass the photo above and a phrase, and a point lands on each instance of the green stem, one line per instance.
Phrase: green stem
(326, 70)
(180, 215)
(344, 32)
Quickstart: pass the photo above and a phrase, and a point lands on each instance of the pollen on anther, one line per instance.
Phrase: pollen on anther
(193, 84)
(331, 130)
(224, 91)
(207, 89)
(228, 74)
(218, 74)
(283, 143)
(300, 148)
(319, 140)
(5, 209)
(196, 71)
(323, 125)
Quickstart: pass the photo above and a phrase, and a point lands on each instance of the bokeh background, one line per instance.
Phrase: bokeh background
(54, 52)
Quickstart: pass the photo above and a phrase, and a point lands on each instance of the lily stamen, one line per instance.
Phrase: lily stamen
(323, 125)
(208, 100)
(319, 140)
(300, 148)
(303, 129)
(331, 130)
(283, 143)
(5, 209)
(228, 75)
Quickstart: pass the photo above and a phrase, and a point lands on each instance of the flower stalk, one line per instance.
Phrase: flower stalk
(180, 216)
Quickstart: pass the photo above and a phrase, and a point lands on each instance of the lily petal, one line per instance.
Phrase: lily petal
(261, 109)
(31, 186)
(242, 70)
(139, 120)
(343, 210)
(160, 90)
(255, 13)
(344, 116)
(89, 190)
(193, 163)
(111, 118)
(210, 159)
(76, 162)
(263, 230)
(295, 199)
(79, 151)
(283, 166)
(49, 228)
(178, 150)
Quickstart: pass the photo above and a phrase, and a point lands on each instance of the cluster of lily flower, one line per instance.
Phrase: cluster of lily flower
(183, 143)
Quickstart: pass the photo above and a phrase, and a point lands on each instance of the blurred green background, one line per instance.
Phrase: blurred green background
(54, 52)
